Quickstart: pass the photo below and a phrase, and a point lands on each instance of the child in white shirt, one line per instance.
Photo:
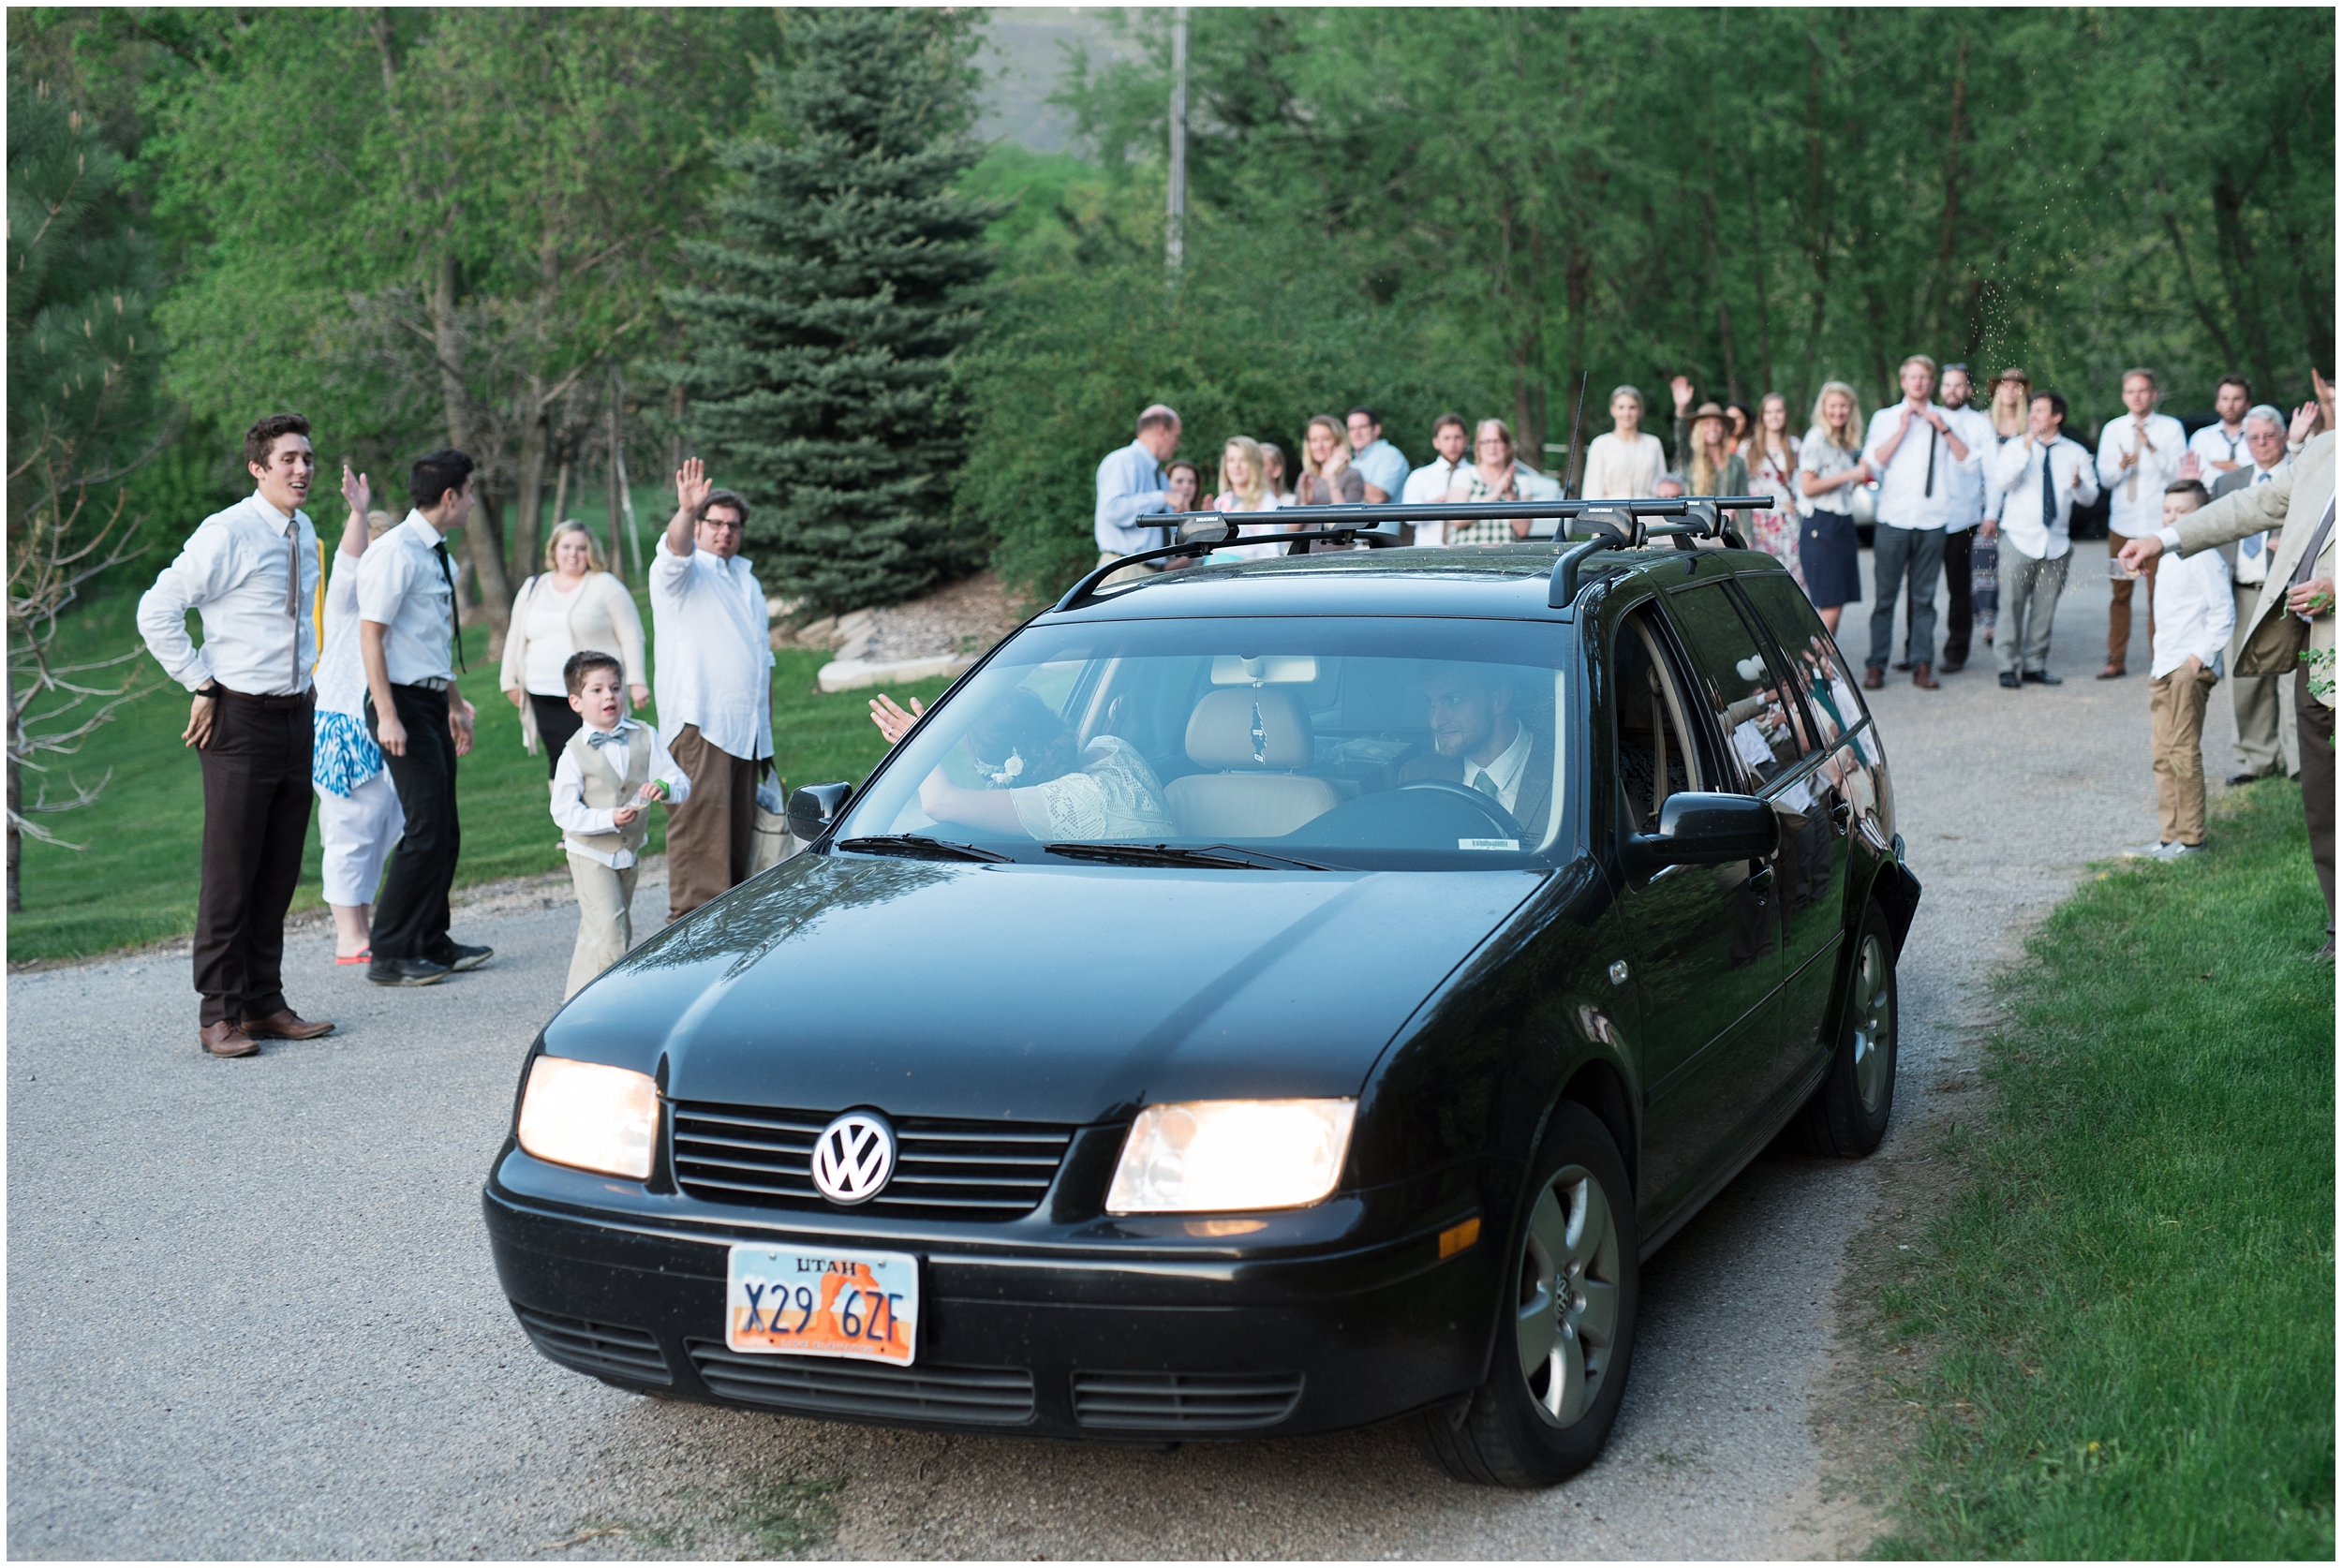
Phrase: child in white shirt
(2194, 614)
(609, 774)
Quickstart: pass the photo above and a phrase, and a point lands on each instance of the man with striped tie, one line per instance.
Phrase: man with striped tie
(408, 637)
(251, 573)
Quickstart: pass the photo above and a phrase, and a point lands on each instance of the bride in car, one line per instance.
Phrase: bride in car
(1036, 779)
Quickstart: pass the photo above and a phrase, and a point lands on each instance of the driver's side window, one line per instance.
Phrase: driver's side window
(1653, 759)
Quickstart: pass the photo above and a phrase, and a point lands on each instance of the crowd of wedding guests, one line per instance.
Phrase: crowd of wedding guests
(1973, 487)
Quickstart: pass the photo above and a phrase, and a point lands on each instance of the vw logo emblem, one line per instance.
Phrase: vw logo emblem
(853, 1158)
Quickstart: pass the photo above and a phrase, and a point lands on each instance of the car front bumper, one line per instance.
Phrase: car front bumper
(1174, 1332)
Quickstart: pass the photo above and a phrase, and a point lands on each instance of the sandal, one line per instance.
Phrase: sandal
(363, 956)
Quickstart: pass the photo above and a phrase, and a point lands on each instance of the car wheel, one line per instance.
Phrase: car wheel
(1847, 1116)
(1569, 1330)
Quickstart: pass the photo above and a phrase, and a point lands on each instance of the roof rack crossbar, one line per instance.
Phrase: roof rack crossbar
(1346, 523)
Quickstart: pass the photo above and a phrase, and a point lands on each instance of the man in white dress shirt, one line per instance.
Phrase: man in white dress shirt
(2259, 704)
(2219, 447)
(2041, 476)
(1914, 448)
(251, 573)
(408, 637)
(1976, 433)
(712, 654)
(2139, 457)
(1383, 465)
(1450, 437)
(1131, 486)
(1479, 740)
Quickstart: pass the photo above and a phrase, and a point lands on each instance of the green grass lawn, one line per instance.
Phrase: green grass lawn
(135, 881)
(2131, 1306)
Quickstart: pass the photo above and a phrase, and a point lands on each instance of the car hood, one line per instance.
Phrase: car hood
(1033, 993)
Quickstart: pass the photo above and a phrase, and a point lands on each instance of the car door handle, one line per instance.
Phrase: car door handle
(1842, 813)
(1760, 879)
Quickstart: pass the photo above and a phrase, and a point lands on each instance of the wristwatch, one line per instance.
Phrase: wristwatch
(210, 692)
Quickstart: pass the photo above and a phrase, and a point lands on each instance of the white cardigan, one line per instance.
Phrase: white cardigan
(604, 618)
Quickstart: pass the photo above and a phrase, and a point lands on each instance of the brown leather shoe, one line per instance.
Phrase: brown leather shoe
(284, 1024)
(1873, 678)
(226, 1039)
(1923, 676)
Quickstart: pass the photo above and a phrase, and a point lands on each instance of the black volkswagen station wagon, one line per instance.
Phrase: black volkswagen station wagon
(1264, 998)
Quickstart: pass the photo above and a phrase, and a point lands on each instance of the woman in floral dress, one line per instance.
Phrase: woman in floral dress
(1772, 458)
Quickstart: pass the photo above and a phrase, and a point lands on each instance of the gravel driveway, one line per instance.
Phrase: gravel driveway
(252, 1314)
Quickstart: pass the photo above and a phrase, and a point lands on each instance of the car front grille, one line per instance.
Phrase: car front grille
(808, 1385)
(943, 1170)
(1186, 1401)
(603, 1349)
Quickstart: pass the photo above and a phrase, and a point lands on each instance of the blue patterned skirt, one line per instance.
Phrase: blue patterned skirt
(345, 755)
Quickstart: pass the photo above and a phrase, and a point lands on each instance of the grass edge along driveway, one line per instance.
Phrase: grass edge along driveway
(136, 881)
(2127, 1312)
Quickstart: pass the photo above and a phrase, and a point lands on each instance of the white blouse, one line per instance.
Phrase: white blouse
(1618, 472)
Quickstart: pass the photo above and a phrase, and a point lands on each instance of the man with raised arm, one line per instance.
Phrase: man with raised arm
(251, 573)
(2292, 614)
(712, 657)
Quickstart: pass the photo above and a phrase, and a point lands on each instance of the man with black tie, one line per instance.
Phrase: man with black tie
(407, 631)
(2260, 740)
(251, 572)
(2292, 612)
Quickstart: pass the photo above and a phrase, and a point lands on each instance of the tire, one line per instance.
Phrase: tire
(1560, 1366)
(1847, 1115)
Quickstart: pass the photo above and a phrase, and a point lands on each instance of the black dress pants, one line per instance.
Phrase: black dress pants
(1959, 594)
(410, 916)
(557, 721)
(256, 820)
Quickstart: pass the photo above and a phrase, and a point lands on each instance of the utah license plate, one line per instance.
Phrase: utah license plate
(808, 1301)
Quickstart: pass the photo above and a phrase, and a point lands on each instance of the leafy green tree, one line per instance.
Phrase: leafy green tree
(82, 415)
(1765, 198)
(440, 225)
(845, 286)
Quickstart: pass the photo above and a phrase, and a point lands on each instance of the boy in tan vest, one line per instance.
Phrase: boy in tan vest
(610, 772)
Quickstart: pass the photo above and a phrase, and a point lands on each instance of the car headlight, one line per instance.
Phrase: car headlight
(595, 1118)
(1231, 1154)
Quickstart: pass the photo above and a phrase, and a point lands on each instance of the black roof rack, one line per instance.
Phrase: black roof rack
(1617, 526)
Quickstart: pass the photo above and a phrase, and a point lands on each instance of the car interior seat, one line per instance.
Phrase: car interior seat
(1249, 740)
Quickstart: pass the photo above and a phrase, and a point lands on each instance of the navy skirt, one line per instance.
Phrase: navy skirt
(1826, 548)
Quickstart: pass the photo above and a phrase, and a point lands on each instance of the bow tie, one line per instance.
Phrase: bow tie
(599, 738)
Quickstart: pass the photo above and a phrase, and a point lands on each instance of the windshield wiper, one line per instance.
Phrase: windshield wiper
(915, 846)
(1227, 857)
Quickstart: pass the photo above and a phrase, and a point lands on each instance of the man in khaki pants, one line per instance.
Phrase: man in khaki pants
(2295, 614)
(713, 644)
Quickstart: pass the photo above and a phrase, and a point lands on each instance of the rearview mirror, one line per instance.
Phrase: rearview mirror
(1701, 829)
(814, 807)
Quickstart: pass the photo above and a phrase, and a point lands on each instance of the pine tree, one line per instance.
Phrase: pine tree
(846, 282)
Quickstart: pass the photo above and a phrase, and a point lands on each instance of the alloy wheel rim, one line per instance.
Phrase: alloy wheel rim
(1566, 1319)
(1873, 1022)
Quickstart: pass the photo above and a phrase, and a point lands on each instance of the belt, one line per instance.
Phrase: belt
(297, 700)
(429, 683)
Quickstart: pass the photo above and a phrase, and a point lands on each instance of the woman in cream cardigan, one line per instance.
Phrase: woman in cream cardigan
(574, 605)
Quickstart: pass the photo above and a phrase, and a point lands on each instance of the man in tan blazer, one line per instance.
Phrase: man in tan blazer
(2293, 614)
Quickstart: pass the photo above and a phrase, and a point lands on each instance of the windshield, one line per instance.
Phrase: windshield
(1325, 743)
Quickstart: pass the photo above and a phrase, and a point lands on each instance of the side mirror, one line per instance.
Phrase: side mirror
(814, 807)
(1696, 829)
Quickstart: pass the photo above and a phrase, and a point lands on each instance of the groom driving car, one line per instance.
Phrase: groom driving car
(1480, 741)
